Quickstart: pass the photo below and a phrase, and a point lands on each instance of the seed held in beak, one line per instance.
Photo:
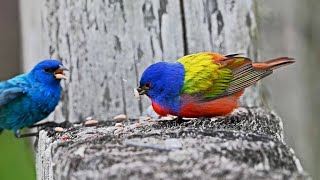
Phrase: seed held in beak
(141, 90)
(59, 73)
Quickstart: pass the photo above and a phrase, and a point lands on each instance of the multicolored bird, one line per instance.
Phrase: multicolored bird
(204, 84)
(29, 98)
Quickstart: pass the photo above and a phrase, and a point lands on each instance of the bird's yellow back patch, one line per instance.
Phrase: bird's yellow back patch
(204, 76)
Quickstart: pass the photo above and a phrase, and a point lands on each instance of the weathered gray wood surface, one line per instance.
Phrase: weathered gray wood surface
(247, 145)
(108, 44)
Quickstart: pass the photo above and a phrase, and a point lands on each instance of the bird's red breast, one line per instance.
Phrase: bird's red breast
(190, 108)
(218, 107)
(161, 110)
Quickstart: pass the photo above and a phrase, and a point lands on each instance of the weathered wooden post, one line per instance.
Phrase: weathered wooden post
(106, 45)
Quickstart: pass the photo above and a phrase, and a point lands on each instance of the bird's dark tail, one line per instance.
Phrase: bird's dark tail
(274, 63)
(246, 73)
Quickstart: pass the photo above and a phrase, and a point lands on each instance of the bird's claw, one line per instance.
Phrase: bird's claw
(51, 124)
(17, 134)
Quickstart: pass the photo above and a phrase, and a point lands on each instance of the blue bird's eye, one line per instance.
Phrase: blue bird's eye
(46, 69)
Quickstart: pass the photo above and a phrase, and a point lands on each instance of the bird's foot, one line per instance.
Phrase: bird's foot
(44, 125)
(17, 134)
(179, 120)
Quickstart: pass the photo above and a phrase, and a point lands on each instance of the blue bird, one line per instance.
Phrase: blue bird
(31, 97)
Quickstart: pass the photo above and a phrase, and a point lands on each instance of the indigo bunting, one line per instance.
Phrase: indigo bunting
(31, 97)
(204, 84)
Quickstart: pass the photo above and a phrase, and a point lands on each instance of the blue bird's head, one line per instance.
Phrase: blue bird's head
(48, 72)
(162, 81)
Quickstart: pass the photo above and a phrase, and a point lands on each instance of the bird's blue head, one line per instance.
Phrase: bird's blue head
(162, 81)
(48, 72)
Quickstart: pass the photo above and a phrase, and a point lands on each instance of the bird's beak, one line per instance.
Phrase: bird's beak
(59, 73)
(141, 90)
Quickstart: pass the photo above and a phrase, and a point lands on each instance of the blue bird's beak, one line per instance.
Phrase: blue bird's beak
(59, 73)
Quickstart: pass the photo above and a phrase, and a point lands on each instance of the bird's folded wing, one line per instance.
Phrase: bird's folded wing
(244, 74)
(9, 92)
(204, 78)
(208, 76)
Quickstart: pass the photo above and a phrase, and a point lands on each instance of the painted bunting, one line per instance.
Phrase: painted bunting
(204, 84)
(31, 97)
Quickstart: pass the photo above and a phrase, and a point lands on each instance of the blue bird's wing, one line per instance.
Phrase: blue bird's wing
(11, 89)
(9, 94)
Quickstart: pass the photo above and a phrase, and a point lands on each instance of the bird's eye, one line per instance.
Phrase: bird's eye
(148, 85)
(46, 69)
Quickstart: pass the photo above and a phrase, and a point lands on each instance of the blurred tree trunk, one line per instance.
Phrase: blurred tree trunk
(312, 133)
(294, 91)
(108, 44)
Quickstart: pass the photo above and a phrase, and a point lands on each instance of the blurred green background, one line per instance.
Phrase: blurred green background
(16, 155)
(17, 161)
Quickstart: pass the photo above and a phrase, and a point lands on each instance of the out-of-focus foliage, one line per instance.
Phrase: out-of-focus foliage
(16, 159)
(16, 155)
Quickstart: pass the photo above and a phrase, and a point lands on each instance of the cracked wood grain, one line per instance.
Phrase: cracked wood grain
(107, 45)
(226, 27)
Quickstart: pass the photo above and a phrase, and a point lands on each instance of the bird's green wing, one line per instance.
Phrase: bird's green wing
(204, 77)
(209, 76)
